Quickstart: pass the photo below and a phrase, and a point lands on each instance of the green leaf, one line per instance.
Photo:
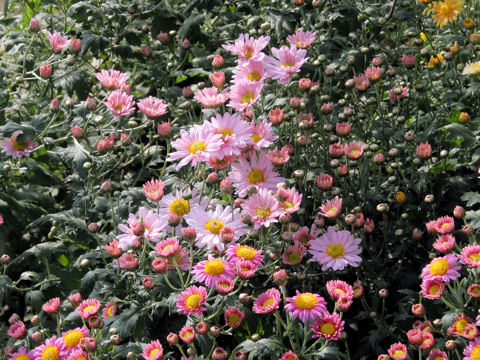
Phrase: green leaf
(62, 259)
(471, 198)
(191, 25)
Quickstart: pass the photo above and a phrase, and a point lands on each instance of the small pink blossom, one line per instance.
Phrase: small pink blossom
(119, 103)
(57, 41)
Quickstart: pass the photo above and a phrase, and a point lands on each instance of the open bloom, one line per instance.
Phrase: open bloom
(153, 351)
(332, 208)
(327, 326)
(244, 93)
(442, 268)
(263, 208)
(57, 41)
(248, 48)
(444, 243)
(149, 225)
(191, 300)
(251, 70)
(444, 225)
(72, 338)
(336, 249)
(21, 354)
(153, 189)
(472, 351)
(294, 254)
(233, 316)
(472, 68)
(17, 148)
(262, 135)
(119, 103)
(302, 39)
(237, 252)
(305, 306)
(361, 82)
(208, 271)
(432, 289)
(112, 79)
(338, 288)
(53, 349)
(152, 107)
(267, 302)
(445, 11)
(88, 308)
(398, 351)
(287, 61)
(470, 255)
(210, 97)
(51, 306)
(290, 200)
(353, 150)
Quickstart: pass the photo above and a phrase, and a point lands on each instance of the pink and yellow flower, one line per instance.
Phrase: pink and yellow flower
(110, 309)
(262, 135)
(267, 302)
(432, 289)
(398, 351)
(442, 268)
(327, 326)
(88, 308)
(302, 39)
(248, 48)
(237, 252)
(152, 107)
(210, 97)
(472, 351)
(57, 41)
(72, 338)
(353, 150)
(263, 208)
(21, 354)
(153, 189)
(436, 354)
(234, 317)
(470, 255)
(294, 254)
(187, 334)
(332, 208)
(243, 94)
(305, 306)
(78, 354)
(289, 355)
(17, 148)
(444, 243)
(191, 300)
(286, 62)
(444, 225)
(53, 349)
(120, 104)
(153, 351)
(208, 271)
(112, 79)
(339, 288)
(251, 70)
(290, 200)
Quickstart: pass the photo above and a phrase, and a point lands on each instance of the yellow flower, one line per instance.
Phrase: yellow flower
(401, 197)
(423, 36)
(454, 48)
(434, 60)
(468, 23)
(445, 11)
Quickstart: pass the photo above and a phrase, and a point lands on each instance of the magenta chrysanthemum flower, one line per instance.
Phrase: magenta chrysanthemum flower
(436, 354)
(152, 107)
(149, 225)
(472, 351)
(287, 61)
(78, 354)
(432, 289)
(294, 254)
(210, 97)
(251, 70)
(112, 79)
(267, 302)
(470, 255)
(332, 208)
(444, 243)
(88, 308)
(17, 148)
(153, 189)
(263, 208)
(181, 258)
(119, 103)
(258, 173)
(262, 135)
(302, 39)
(353, 150)
(110, 309)
(195, 146)
(305, 306)
(208, 271)
(291, 200)
(53, 349)
(303, 236)
(17, 330)
(338, 288)
(444, 225)
(234, 317)
(153, 351)
(327, 326)
(167, 247)
(191, 300)
(243, 94)
(128, 261)
(21, 354)
(398, 351)
(248, 48)
(442, 268)
(187, 334)
(57, 41)
(72, 338)
(289, 355)
(336, 249)
(210, 225)
(51, 306)
(245, 269)
(239, 252)
(224, 285)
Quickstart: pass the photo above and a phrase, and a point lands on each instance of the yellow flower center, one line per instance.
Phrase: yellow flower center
(187, 334)
(444, 225)
(153, 352)
(341, 291)
(254, 76)
(233, 318)
(214, 267)
(110, 311)
(474, 257)
(268, 302)
(327, 328)
(332, 210)
(214, 226)
(193, 301)
(118, 107)
(287, 64)
(88, 308)
(299, 44)
(306, 301)
(335, 251)
(245, 252)
(249, 52)
(255, 137)
(255, 176)
(475, 290)
(81, 358)
(73, 337)
(294, 257)
(168, 247)
(196, 146)
(287, 205)
(225, 131)
(21, 357)
(475, 353)
(247, 97)
(398, 353)
(19, 145)
(434, 289)
(439, 267)
(50, 353)
(460, 325)
(179, 207)
(354, 151)
(262, 212)
(439, 358)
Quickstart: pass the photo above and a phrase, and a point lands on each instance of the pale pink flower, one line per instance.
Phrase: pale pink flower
(153, 351)
(336, 150)
(442, 268)
(191, 300)
(294, 254)
(153, 189)
(287, 62)
(128, 261)
(353, 150)
(267, 302)
(324, 181)
(251, 70)
(248, 48)
(278, 157)
(361, 82)
(305, 306)
(152, 107)
(57, 41)
(409, 60)
(263, 208)
(149, 225)
(327, 326)
(17, 148)
(210, 97)
(218, 164)
(290, 200)
(262, 135)
(424, 150)
(119, 103)
(208, 271)
(243, 94)
(332, 208)
(373, 73)
(218, 79)
(396, 97)
(302, 39)
(111, 79)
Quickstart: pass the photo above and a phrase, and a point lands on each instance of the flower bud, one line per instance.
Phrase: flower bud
(383, 293)
(458, 212)
(5, 259)
(215, 331)
(172, 339)
(115, 339)
(34, 25)
(244, 298)
(37, 337)
(45, 71)
(54, 105)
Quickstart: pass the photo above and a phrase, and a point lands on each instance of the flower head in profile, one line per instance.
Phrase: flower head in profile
(289, 355)
(267, 302)
(248, 48)
(120, 104)
(332, 208)
(338, 288)
(210, 97)
(286, 62)
(263, 208)
(305, 306)
(16, 148)
(153, 351)
(327, 326)
(398, 351)
(444, 225)
(424, 150)
(243, 94)
(290, 200)
(294, 254)
(445, 11)
(112, 79)
(336, 249)
(208, 271)
(17, 330)
(57, 41)
(472, 68)
(152, 107)
(442, 268)
(302, 39)
(191, 300)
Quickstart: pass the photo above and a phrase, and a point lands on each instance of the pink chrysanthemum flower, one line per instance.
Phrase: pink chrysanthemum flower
(336, 150)
(181, 258)
(78, 354)
(305, 306)
(17, 148)
(57, 41)
(436, 354)
(262, 135)
(332, 208)
(208, 271)
(152, 107)
(287, 61)
(279, 157)
(224, 285)
(191, 300)
(398, 351)
(373, 73)
(444, 225)
(88, 308)
(442, 268)
(53, 349)
(267, 302)
(210, 97)
(302, 39)
(243, 94)
(167, 247)
(396, 97)
(424, 150)
(153, 351)
(353, 150)
(361, 82)
(474, 291)
(17, 330)
(472, 351)
(119, 103)
(327, 326)
(239, 252)
(233, 316)
(112, 79)
(210, 223)
(289, 355)
(51, 306)
(263, 208)
(463, 326)
(294, 254)
(219, 164)
(149, 225)
(196, 145)
(444, 243)
(72, 338)
(259, 173)
(235, 132)
(21, 354)
(248, 48)
(470, 255)
(336, 249)
(339, 288)
(291, 200)
(153, 189)
(187, 334)
(432, 289)
(245, 269)
(251, 70)
(128, 261)
(176, 204)
(303, 236)
(110, 309)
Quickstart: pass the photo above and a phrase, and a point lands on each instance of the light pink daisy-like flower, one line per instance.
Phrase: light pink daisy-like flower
(153, 351)
(243, 94)
(167, 247)
(224, 285)
(259, 173)
(245, 269)
(262, 135)
(470, 255)
(336, 249)
(21, 354)
(332, 208)
(176, 204)
(248, 48)
(128, 261)
(237, 252)
(279, 157)
(361, 82)
(17, 148)
(219, 164)
(402, 90)
(398, 351)
(436, 354)
(472, 351)
(51, 306)
(17, 330)
(353, 150)
(251, 70)
(263, 208)
(112, 79)
(153, 189)
(305, 306)
(72, 338)
(444, 243)
(196, 145)
(444, 225)
(208, 271)
(432, 289)
(424, 150)
(149, 225)
(235, 132)
(152, 107)
(57, 41)
(294, 254)
(78, 354)
(327, 326)
(442, 268)
(287, 61)
(210, 223)
(339, 288)
(53, 349)
(88, 308)
(119, 103)
(110, 309)
(233, 316)
(302, 39)
(373, 73)
(267, 302)
(210, 97)
(291, 200)
(181, 258)
(191, 300)
(289, 355)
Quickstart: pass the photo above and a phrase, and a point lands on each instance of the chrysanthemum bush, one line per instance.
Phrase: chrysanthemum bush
(213, 180)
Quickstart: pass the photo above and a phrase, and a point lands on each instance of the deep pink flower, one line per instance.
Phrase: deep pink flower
(432, 289)
(442, 268)
(289, 355)
(245, 269)
(208, 271)
(51, 306)
(339, 288)
(191, 300)
(470, 255)
(153, 189)
(53, 349)
(409, 60)
(398, 351)
(444, 243)
(152, 107)
(88, 308)
(187, 334)
(57, 41)
(17, 330)
(243, 94)
(153, 351)
(276, 116)
(287, 62)
(112, 79)
(398, 93)
(302, 39)
(110, 309)
(424, 150)
(305, 306)
(327, 326)
(233, 316)
(267, 302)
(294, 254)
(22, 354)
(119, 103)
(444, 225)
